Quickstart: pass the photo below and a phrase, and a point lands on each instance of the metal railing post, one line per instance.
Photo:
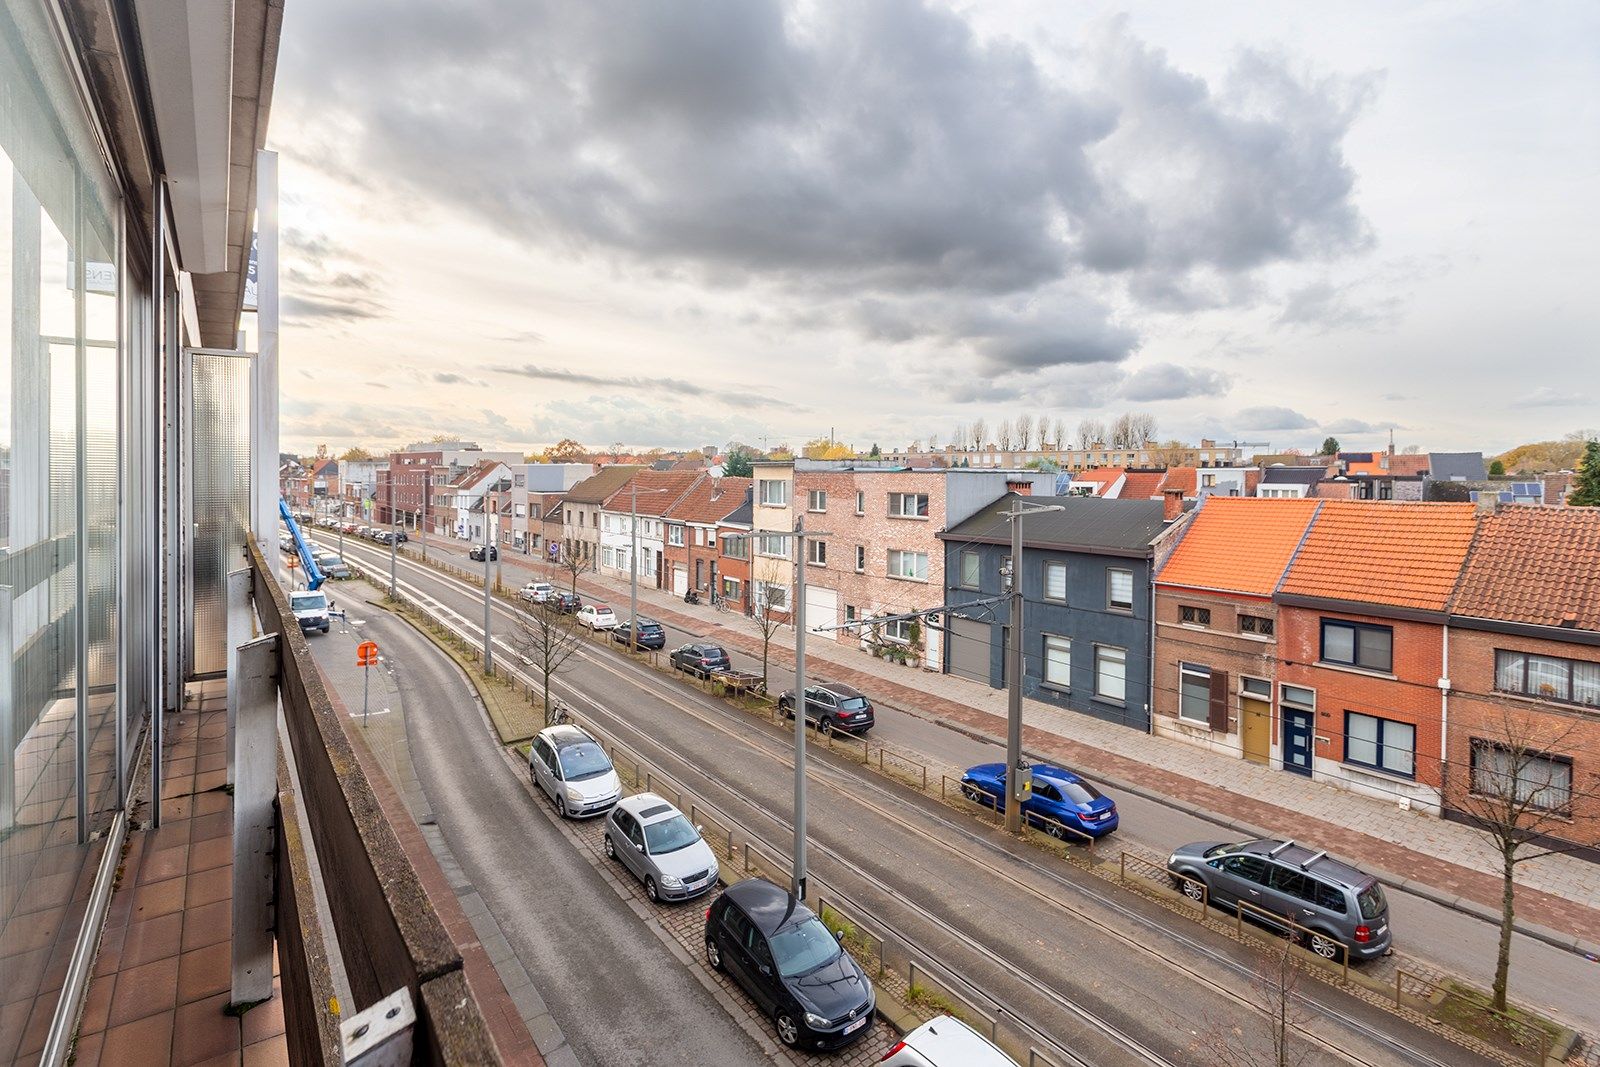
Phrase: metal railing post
(255, 742)
(238, 596)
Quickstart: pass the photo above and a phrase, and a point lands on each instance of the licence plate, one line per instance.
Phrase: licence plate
(1381, 930)
(858, 1024)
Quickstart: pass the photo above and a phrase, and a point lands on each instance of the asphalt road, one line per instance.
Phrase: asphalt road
(619, 995)
(1040, 939)
(1553, 979)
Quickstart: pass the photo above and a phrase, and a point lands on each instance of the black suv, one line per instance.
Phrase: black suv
(832, 706)
(792, 967)
(700, 660)
(651, 634)
(476, 553)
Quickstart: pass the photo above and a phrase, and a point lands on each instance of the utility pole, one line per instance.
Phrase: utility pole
(488, 597)
(394, 552)
(1014, 780)
(633, 562)
(800, 707)
(423, 532)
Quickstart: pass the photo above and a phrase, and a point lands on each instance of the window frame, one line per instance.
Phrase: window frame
(976, 558)
(817, 552)
(1201, 616)
(1255, 624)
(1477, 744)
(1102, 650)
(1377, 766)
(1111, 601)
(861, 501)
(1047, 640)
(817, 501)
(1050, 566)
(861, 559)
(1194, 670)
(922, 506)
(675, 535)
(761, 492)
(894, 572)
(1356, 629)
(1525, 690)
(740, 546)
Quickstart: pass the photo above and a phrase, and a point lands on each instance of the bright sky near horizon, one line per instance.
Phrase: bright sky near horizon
(680, 224)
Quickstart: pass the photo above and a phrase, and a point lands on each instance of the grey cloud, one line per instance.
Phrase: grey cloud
(1167, 381)
(1268, 417)
(1322, 306)
(300, 308)
(674, 386)
(1549, 397)
(452, 378)
(1358, 426)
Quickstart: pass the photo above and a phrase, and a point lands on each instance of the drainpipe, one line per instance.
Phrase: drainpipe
(1444, 717)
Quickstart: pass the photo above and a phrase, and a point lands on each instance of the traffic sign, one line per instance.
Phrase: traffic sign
(367, 654)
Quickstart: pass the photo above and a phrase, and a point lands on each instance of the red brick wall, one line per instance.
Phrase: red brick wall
(1411, 696)
(1221, 646)
(729, 567)
(1477, 711)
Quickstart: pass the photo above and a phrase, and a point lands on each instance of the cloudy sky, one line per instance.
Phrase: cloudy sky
(683, 223)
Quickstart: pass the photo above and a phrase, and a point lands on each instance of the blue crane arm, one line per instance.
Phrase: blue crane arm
(314, 575)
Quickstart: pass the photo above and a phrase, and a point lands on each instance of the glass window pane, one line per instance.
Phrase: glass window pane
(1111, 673)
(1361, 739)
(1549, 677)
(1194, 697)
(969, 569)
(1299, 696)
(1508, 671)
(1586, 683)
(1338, 643)
(1375, 648)
(1257, 687)
(1055, 581)
(1122, 589)
(1058, 661)
(1399, 747)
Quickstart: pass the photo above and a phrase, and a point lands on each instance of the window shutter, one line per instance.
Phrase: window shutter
(1219, 701)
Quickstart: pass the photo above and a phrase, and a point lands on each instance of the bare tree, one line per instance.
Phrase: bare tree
(545, 640)
(958, 440)
(768, 603)
(1024, 431)
(1059, 438)
(1517, 796)
(933, 442)
(1002, 435)
(572, 560)
(1143, 425)
(1091, 433)
(1275, 992)
(1170, 453)
(980, 434)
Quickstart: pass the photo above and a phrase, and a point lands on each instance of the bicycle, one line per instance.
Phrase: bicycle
(720, 603)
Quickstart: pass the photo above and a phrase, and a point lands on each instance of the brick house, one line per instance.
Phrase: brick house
(881, 555)
(1216, 646)
(1525, 663)
(645, 499)
(1361, 646)
(581, 509)
(733, 554)
(691, 553)
(771, 569)
(458, 506)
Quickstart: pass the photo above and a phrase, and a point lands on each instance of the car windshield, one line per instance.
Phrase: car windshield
(853, 703)
(310, 602)
(583, 760)
(1217, 850)
(669, 835)
(803, 947)
(1079, 792)
(1372, 902)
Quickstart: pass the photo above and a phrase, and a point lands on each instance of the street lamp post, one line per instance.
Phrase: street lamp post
(633, 563)
(1014, 783)
(488, 596)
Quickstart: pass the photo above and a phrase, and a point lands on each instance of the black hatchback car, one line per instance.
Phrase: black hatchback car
(833, 706)
(651, 634)
(792, 967)
(700, 660)
(565, 603)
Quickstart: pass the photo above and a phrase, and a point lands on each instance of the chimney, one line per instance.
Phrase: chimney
(1171, 504)
(1488, 502)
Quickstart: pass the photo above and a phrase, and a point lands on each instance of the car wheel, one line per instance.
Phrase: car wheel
(713, 954)
(971, 794)
(1193, 889)
(1056, 830)
(561, 806)
(1326, 947)
(788, 1032)
(651, 891)
(825, 727)
(611, 850)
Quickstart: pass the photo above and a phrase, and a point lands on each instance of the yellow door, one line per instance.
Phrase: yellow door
(1256, 719)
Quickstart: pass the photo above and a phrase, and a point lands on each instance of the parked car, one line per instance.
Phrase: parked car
(333, 565)
(574, 771)
(537, 592)
(565, 603)
(477, 551)
(350, 527)
(652, 634)
(777, 949)
(663, 849)
(363, 530)
(286, 543)
(597, 616)
(832, 706)
(1059, 797)
(1344, 907)
(310, 609)
(699, 659)
(945, 1041)
(401, 536)
(383, 537)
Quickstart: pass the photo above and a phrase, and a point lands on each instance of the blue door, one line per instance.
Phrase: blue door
(1297, 727)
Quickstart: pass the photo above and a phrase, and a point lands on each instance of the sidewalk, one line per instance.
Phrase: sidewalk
(1558, 897)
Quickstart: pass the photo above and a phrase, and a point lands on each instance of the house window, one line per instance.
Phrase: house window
(675, 536)
(1295, 696)
(861, 559)
(1381, 744)
(1194, 693)
(774, 493)
(773, 596)
(817, 553)
(1055, 581)
(735, 547)
(519, 510)
(1119, 589)
(1190, 615)
(898, 631)
(1259, 688)
(1208, 481)
(1110, 673)
(861, 502)
(849, 613)
(1057, 661)
(912, 565)
(730, 588)
(1259, 625)
(1516, 774)
(1358, 644)
(908, 505)
(817, 500)
(773, 545)
(970, 568)
(1571, 680)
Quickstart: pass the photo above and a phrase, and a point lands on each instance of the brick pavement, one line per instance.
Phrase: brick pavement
(1444, 860)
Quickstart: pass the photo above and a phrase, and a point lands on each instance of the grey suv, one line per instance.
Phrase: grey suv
(1345, 908)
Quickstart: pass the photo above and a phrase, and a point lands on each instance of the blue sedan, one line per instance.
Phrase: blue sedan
(1059, 797)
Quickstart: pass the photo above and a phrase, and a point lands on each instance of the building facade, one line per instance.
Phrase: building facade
(642, 501)
(581, 512)
(693, 560)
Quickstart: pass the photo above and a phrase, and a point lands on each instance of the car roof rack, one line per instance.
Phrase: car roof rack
(1309, 861)
(1275, 849)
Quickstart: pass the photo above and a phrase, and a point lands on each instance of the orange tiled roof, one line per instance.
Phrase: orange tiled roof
(1406, 555)
(1538, 565)
(1142, 485)
(710, 499)
(1238, 544)
(658, 491)
(1403, 464)
(1103, 475)
(1185, 478)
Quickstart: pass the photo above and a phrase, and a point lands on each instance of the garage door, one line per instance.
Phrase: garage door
(680, 579)
(822, 609)
(969, 649)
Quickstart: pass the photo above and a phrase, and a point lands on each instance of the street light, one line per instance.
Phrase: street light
(633, 562)
(1014, 668)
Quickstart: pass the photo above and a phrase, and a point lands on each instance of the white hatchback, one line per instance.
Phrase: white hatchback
(537, 592)
(946, 1042)
(597, 617)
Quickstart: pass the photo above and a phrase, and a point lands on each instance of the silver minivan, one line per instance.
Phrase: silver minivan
(574, 772)
(663, 849)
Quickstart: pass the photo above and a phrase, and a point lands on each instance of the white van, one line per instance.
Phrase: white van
(946, 1042)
